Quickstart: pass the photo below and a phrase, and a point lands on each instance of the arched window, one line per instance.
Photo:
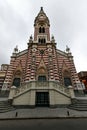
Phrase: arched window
(40, 30)
(41, 40)
(43, 30)
(42, 78)
(67, 81)
(67, 78)
(17, 78)
(16, 82)
(44, 40)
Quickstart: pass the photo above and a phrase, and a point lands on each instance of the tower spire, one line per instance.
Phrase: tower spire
(41, 8)
(41, 27)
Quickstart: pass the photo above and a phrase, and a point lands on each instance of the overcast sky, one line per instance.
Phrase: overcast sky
(68, 19)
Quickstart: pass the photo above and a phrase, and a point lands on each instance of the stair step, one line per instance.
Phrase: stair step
(76, 106)
(79, 104)
(78, 109)
(7, 110)
(5, 106)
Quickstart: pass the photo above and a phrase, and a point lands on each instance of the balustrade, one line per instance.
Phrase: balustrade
(41, 85)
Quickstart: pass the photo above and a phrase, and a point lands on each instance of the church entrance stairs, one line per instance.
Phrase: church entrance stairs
(36, 93)
(79, 104)
(46, 85)
(5, 106)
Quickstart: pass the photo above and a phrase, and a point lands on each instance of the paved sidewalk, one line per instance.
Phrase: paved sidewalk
(43, 113)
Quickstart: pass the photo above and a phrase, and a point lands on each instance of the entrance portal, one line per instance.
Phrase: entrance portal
(42, 99)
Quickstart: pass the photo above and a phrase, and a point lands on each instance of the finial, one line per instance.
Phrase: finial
(16, 49)
(41, 8)
(67, 49)
(31, 37)
(52, 39)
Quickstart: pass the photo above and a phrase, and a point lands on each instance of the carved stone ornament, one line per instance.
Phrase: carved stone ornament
(34, 49)
(49, 49)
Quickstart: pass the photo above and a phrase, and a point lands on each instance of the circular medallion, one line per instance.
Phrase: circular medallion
(34, 49)
(50, 49)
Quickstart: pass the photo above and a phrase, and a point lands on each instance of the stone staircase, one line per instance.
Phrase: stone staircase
(78, 104)
(5, 106)
(4, 94)
(42, 85)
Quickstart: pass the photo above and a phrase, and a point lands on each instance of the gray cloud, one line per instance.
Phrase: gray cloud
(68, 20)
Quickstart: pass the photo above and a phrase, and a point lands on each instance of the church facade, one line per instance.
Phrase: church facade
(41, 75)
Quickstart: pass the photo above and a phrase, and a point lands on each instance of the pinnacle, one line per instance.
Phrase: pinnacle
(41, 8)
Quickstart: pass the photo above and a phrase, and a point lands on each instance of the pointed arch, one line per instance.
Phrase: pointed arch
(67, 79)
(42, 74)
(39, 40)
(42, 71)
(43, 30)
(16, 82)
(17, 75)
(40, 30)
(44, 40)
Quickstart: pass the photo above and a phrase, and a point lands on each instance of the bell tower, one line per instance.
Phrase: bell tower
(42, 51)
(41, 28)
